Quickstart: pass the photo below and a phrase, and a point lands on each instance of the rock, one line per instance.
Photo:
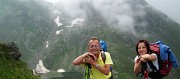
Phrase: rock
(13, 52)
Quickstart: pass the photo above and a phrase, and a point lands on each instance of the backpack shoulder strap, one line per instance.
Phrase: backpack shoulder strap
(103, 55)
(152, 66)
(154, 69)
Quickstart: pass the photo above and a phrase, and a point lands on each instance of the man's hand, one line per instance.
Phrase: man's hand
(90, 58)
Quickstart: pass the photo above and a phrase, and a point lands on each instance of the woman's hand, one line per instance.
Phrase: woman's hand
(143, 60)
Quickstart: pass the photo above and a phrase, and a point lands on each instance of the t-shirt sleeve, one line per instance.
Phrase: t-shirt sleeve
(154, 54)
(108, 59)
(135, 59)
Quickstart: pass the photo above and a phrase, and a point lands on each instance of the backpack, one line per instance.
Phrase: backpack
(166, 59)
(103, 55)
(103, 46)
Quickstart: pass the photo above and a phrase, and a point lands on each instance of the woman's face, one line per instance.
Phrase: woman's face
(142, 49)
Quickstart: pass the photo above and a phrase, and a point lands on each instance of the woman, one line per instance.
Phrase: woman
(144, 55)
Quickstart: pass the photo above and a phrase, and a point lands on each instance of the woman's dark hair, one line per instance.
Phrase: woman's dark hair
(146, 44)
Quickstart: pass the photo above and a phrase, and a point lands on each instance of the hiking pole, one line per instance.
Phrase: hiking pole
(88, 70)
(145, 74)
(144, 68)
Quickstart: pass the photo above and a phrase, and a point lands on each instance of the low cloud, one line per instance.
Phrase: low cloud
(117, 13)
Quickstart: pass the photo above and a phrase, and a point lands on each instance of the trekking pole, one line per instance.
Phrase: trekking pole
(88, 70)
(145, 74)
(144, 68)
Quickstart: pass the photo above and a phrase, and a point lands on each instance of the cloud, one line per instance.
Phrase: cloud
(76, 21)
(118, 13)
(169, 7)
(72, 7)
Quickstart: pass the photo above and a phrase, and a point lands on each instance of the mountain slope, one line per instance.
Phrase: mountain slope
(12, 67)
(31, 25)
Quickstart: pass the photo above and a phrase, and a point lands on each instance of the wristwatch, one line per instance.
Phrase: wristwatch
(97, 65)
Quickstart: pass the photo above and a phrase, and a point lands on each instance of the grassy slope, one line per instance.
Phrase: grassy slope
(11, 68)
(73, 42)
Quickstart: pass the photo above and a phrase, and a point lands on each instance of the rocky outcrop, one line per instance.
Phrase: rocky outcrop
(10, 51)
(14, 51)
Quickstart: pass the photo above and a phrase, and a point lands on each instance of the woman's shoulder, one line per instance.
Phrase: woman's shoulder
(153, 54)
(137, 57)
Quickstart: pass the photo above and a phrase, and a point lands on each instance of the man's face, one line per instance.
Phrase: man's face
(94, 46)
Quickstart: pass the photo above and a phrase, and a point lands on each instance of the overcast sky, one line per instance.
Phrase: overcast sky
(170, 7)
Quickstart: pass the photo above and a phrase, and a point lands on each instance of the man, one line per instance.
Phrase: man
(99, 69)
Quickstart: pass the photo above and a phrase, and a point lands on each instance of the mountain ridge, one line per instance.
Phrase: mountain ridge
(34, 30)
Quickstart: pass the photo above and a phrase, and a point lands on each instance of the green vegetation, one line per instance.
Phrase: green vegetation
(11, 68)
(30, 25)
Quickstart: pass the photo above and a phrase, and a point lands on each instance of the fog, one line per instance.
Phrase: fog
(169, 7)
(117, 13)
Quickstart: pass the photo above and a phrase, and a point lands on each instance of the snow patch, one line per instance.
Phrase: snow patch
(58, 31)
(40, 69)
(76, 21)
(57, 21)
(61, 70)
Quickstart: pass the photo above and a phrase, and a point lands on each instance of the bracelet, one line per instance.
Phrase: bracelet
(97, 65)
